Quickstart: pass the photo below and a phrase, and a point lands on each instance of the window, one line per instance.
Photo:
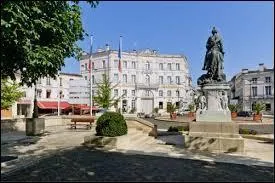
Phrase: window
(133, 79)
(178, 93)
(169, 66)
(24, 94)
(133, 92)
(39, 81)
(61, 94)
(254, 80)
(169, 93)
(177, 104)
(169, 80)
(93, 79)
(147, 94)
(71, 79)
(93, 66)
(82, 66)
(125, 93)
(160, 105)
(38, 93)
(124, 78)
(86, 66)
(254, 91)
(115, 92)
(133, 65)
(160, 79)
(48, 81)
(60, 81)
(268, 90)
(267, 79)
(267, 107)
(103, 64)
(133, 104)
(103, 75)
(147, 79)
(48, 94)
(161, 66)
(116, 63)
(124, 64)
(116, 77)
(147, 65)
(93, 92)
(178, 80)
(160, 93)
(85, 77)
(177, 66)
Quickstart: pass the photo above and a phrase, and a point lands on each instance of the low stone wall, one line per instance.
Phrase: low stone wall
(141, 124)
(260, 128)
(19, 124)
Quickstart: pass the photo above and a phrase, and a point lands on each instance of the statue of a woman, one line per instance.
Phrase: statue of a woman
(213, 61)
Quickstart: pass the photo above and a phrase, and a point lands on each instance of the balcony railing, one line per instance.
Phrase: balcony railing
(147, 86)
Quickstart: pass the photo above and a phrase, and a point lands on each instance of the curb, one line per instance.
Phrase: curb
(257, 138)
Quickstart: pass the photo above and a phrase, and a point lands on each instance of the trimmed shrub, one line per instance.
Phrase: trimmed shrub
(178, 128)
(111, 124)
(172, 129)
(247, 131)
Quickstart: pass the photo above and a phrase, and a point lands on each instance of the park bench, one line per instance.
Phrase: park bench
(87, 121)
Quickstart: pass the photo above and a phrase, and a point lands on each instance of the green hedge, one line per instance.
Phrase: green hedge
(247, 131)
(178, 128)
(111, 124)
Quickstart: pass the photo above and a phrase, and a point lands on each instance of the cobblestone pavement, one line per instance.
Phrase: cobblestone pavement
(88, 164)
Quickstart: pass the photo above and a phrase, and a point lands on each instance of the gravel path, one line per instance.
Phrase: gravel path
(87, 164)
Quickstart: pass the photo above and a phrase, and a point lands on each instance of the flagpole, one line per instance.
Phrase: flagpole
(91, 83)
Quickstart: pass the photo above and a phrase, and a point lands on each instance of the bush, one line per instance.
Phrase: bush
(111, 124)
(178, 128)
(247, 131)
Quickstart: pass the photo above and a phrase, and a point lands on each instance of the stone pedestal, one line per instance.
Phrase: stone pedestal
(35, 126)
(214, 137)
(216, 108)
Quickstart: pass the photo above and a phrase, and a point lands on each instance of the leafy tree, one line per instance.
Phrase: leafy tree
(10, 93)
(104, 92)
(36, 37)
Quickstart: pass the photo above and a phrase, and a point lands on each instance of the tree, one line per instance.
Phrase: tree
(36, 37)
(104, 92)
(10, 93)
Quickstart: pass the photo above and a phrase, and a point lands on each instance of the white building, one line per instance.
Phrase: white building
(251, 86)
(148, 79)
(47, 95)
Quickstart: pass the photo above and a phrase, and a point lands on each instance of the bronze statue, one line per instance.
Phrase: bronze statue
(213, 62)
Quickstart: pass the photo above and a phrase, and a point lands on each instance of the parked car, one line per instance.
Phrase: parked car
(245, 113)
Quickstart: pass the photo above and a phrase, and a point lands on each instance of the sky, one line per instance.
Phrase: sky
(174, 27)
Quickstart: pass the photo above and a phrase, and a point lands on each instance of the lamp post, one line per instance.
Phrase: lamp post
(58, 101)
(91, 83)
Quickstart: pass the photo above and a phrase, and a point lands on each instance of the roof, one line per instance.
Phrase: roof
(70, 74)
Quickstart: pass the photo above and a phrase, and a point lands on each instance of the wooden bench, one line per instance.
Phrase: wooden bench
(82, 121)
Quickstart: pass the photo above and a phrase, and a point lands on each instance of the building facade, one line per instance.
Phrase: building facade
(46, 93)
(251, 86)
(148, 79)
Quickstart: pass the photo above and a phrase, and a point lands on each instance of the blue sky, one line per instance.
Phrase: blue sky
(247, 29)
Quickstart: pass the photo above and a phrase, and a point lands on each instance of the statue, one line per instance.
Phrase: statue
(213, 62)
(224, 100)
(202, 102)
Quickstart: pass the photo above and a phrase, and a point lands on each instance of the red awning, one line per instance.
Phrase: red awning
(52, 104)
(83, 107)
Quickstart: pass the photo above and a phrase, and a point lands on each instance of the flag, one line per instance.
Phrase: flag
(91, 51)
(119, 55)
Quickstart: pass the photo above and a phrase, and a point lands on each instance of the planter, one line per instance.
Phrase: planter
(173, 115)
(35, 126)
(234, 114)
(257, 117)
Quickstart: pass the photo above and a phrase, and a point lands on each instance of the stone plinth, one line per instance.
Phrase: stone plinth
(35, 126)
(214, 137)
(216, 108)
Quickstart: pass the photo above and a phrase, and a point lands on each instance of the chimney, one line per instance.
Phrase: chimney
(261, 67)
(244, 70)
(107, 47)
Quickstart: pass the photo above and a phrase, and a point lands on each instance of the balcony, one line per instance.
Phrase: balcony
(154, 86)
